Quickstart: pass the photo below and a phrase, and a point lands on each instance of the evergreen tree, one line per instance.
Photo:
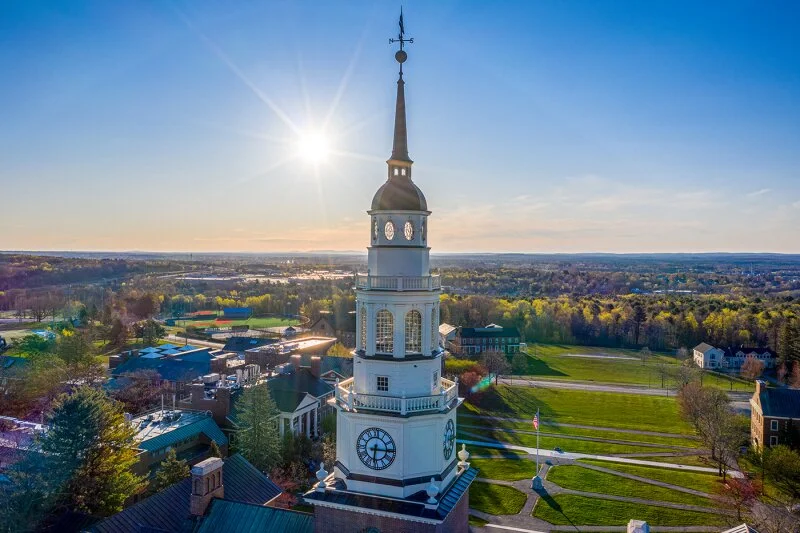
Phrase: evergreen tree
(789, 341)
(89, 451)
(214, 450)
(258, 437)
(171, 470)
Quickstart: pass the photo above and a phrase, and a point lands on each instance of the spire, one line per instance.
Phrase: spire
(400, 143)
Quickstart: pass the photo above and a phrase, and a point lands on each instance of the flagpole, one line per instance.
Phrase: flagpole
(536, 482)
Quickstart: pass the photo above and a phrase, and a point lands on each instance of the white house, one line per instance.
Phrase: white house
(706, 356)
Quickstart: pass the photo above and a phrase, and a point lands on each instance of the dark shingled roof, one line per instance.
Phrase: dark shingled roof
(780, 402)
(235, 517)
(399, 194)
(168, 510)
(290, 389)
(703, 347)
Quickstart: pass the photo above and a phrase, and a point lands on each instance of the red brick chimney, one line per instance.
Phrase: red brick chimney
(316, 366)
(206, 484)
(295, 360)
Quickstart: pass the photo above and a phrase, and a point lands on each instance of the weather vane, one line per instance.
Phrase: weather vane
(401, 55)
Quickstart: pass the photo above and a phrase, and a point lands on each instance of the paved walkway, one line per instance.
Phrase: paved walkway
(582, 426)
(522, 381)
(574, 456)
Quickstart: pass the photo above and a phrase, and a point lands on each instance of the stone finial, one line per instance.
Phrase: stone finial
(432, 491)
(321, 475)
(463, 456)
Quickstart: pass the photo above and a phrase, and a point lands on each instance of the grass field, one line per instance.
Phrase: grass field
(505, 469)
(707, 483)
(602, 409)
(576, 477)
(550, 443)
(568, 509)
(495, 499)
(466, 421)
(555, 361)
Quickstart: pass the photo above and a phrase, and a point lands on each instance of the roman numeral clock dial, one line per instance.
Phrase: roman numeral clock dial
(376, 448)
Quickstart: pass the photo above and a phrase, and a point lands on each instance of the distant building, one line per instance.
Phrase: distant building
(447, 333)
(474, 341)
(187, 432)
(239, 345)
(775, 416)
(344, 329)
(732, 358)
(272, 355)
(176, 366)
(220, 495)
(301, 396)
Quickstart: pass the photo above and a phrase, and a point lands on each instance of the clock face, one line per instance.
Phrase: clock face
(408, 230)
(388, 230)
(449, 439)
(376, 448)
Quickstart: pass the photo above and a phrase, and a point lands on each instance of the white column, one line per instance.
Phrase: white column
(426, 329)
(369, 349)
(308, 423)
(399, 330)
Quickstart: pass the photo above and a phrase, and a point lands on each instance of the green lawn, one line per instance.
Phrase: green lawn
(707, 483)
(505, 469)
(550, 443)
(495, 499)
(553, 361)
(604, 409)
(689, 460)
(568, 509)
(465, 421)
(475, 521)
(576, 477)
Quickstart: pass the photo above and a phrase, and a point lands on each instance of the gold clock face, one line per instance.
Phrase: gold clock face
(388, 230)
(408, 230)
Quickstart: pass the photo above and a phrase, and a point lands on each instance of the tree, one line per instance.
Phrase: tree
(150, 332)
(33, 344)
(794, 376)
(258, 437)
(118, 335)
(339, 350)
(663, 370)
(171, 470)
(141, 390)
(214, 450)
(468, 383)
(682, 354)
(782, 467)
(752, 368)
(645, 354)
(496, 363)
(738, 494)
(685, 374)
(89, 450)
(789, 341)
(519, 363)
(781, 372)
(639, 317)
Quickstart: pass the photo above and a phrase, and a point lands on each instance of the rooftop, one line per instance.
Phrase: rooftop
(783, 402)
(158, 429)
(490, 331)
(236, 517)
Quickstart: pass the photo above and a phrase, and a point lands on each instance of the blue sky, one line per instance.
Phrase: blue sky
(544, 126)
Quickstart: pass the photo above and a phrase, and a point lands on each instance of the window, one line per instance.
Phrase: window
(773, 440)
(402, 172)
(396, 171)
(435, 378)
(413, 331)
(773, 425)
(384, 331)
(383, 383)
(363, 327)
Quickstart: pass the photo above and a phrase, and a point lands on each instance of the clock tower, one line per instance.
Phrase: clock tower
(396, 417)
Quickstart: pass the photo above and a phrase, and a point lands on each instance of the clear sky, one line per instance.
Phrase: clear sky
(535, 126)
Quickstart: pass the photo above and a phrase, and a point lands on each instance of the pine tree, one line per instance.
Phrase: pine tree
(171, 470)
(89, 450)
(214, 450)
(258, 438)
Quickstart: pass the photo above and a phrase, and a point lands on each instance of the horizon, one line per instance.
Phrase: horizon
(603, 129)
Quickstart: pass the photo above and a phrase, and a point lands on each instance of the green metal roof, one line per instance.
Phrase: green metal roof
(204, 425)
(225, 516)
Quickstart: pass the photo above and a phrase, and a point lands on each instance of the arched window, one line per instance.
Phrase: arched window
(413, 331)
(384, 331)
(362, 327)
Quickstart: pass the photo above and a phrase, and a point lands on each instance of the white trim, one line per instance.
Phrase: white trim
(773, 425)
(373, 512)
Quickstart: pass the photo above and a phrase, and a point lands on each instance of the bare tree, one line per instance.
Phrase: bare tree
(664, 371)
(682, 354)
(496, 363)
(645, 354)
(752, 368)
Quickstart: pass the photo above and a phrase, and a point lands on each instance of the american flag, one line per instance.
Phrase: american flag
(536, 421)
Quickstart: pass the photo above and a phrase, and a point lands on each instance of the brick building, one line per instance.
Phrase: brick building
(474, 341)
(775, 416)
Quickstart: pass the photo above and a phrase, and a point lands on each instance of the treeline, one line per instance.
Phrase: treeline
(663, 322)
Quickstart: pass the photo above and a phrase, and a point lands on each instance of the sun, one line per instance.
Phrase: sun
(313, 147)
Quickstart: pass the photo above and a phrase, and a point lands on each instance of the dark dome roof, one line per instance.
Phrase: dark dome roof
(399, 195)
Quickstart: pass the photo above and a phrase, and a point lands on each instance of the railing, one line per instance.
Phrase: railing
(347, 398)
(399, 283)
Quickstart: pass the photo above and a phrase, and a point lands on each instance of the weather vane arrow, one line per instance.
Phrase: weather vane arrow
(401, 36)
